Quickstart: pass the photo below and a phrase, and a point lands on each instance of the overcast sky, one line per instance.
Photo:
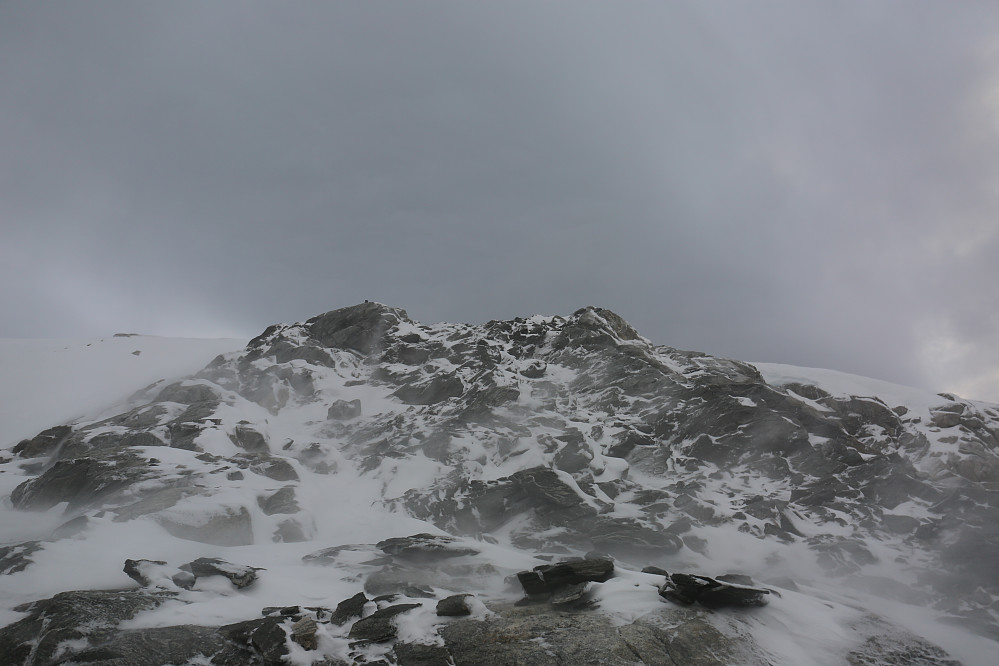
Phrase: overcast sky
(814, 183)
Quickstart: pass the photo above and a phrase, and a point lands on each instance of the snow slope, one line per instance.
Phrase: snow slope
(48, 382)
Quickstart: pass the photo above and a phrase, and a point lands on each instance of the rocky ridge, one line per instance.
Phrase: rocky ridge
(513, 446)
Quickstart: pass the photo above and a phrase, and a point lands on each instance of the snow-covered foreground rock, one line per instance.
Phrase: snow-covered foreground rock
(362, 487)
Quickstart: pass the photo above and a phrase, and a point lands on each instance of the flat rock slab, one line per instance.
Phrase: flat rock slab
(550, 578)
(239, 575)
(425, 546)
(379, 627)
(689, 588)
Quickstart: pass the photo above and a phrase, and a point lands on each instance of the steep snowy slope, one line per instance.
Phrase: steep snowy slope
(363, 452)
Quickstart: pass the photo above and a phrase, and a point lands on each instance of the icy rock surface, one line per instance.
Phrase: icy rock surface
(364, 462)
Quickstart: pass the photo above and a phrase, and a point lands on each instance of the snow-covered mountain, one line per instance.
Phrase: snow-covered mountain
(529, 491)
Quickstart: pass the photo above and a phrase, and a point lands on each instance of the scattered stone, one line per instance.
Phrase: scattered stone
(239, 575)
(655, 570)
(454, 606)
(380, 625)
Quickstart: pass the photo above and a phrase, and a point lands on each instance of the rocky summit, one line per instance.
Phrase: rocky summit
(363, 488)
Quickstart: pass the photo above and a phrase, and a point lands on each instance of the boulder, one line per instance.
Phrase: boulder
(342, 410)
(283, 501)
(454, 606)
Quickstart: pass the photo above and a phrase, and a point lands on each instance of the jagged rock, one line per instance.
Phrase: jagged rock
(349, 608)
(342, 410)
(454, 606)
(358, 328)
(380, 625)
(688, 588)
(425, 547)
(44, 443)
(239, 575)
(17, 557)
(304, 631)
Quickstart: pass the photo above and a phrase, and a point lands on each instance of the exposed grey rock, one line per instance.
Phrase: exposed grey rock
(454, 606)
(80, 482)
(239, 575)
(17, 557)
(342, 410)
(380, 625)
(359, 328)
(418, 654)
(44, 443)
(572, 637)
(91, 616)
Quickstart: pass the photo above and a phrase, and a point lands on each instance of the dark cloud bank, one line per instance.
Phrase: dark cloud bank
(809, 183)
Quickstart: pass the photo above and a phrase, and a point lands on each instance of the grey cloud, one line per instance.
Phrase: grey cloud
(788, 182)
